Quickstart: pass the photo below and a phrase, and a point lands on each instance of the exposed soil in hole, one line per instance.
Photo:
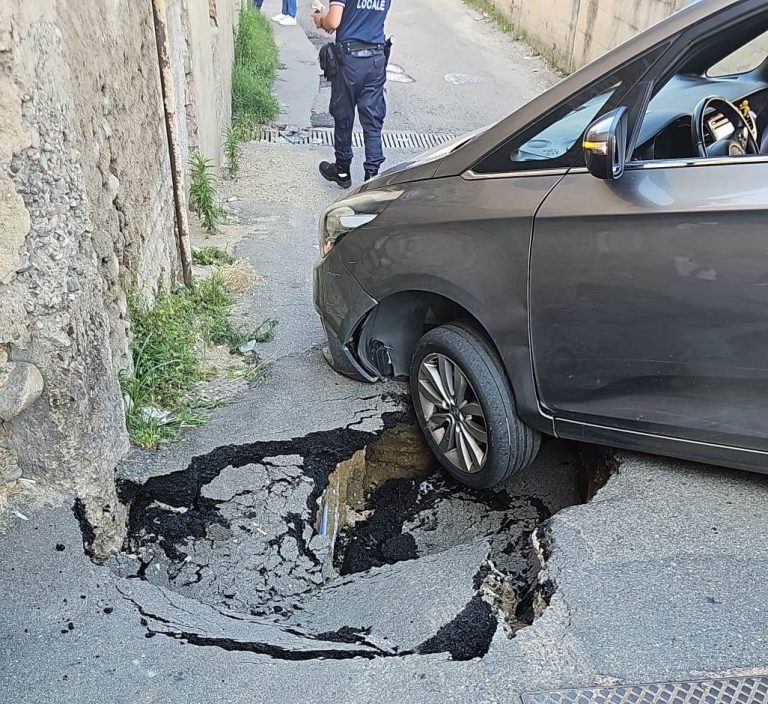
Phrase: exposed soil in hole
(347, 538)
(407, 519)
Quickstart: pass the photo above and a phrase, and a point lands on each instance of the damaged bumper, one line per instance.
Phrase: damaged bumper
(342, 305)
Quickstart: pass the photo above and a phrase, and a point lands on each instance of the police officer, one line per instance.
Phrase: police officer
(359, 83)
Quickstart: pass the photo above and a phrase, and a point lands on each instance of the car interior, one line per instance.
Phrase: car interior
(715, 104)
(720, 87)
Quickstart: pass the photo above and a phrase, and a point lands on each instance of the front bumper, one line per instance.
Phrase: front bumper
(343, 305)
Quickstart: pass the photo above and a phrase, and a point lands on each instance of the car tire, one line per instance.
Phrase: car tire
(455, 435)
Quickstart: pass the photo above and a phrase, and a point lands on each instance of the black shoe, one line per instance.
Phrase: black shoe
(369, 175)
(332, 172)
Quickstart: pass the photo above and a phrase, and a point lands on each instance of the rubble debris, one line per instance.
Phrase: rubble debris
(264, 496)
(338, 544)
(402, 607)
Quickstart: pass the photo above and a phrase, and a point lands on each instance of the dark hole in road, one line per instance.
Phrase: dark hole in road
(350, 538)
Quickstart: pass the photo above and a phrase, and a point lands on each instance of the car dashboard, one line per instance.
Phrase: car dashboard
(666, 129)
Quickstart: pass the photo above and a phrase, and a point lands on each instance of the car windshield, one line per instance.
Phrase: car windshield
(558, 138)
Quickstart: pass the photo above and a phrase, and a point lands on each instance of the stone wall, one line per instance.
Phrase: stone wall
(571, 33)
(87, 210)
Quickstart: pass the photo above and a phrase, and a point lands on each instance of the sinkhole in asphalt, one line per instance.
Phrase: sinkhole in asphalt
(348, 543)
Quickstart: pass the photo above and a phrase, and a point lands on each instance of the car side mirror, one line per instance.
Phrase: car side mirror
(605, 145)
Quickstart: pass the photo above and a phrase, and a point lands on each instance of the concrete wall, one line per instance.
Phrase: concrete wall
(87, 210)
(571, 33)
(211, 30)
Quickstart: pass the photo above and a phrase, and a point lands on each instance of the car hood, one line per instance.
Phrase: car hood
(423, 166)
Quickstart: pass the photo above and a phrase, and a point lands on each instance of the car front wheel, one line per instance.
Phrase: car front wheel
(466, 410)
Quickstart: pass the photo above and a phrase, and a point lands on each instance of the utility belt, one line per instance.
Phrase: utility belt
(354, 47)
(332, 55)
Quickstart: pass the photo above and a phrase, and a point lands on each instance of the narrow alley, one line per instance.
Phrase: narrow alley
(303, 546)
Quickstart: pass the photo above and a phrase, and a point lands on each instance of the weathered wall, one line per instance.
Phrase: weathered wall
(77, 90)
(87, 212)
(572, 33)
(211, 26)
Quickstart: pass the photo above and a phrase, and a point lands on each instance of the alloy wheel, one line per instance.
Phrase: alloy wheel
(453, 414)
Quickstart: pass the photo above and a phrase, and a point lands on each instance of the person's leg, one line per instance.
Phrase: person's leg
(343, 113)
(257, 4)
(342, 110)
(289, 8)
(372, 109)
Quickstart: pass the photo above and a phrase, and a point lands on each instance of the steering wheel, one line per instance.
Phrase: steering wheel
(740, 143)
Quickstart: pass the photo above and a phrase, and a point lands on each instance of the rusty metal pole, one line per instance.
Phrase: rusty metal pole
(177, 176)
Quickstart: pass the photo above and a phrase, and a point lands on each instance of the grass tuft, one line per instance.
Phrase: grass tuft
(266, 331)
(239, 276)
(166, 358)
(168, 341)
(501, 21)
(213, 304)
(208, 256)
(254, 72)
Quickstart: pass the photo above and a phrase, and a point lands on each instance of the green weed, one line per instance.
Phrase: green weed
(202, 193)
(247, 130)
(495, 14)
(168, 341)
(266, 331)
(165, 349)
(214, 306)
(208, 256)
(254, 71)
(232, 152)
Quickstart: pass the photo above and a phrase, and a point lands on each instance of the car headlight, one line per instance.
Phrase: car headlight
(350, 213)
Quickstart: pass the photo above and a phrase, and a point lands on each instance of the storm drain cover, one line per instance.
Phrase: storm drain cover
(747, 690)
(324, 137)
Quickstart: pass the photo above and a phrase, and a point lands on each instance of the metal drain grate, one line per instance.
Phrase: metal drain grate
(324, 137)
(747, 690)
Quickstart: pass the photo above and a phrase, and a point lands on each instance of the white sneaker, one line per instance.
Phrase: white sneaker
(279, 17)
(287, 21)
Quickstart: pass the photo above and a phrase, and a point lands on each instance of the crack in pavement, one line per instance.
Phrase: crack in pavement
(275, 642)
(230, 551)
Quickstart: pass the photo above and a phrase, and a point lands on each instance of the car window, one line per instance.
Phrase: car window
(558, 138)
(554, 140)
(551, 141)
(665, 133)
(744, 60)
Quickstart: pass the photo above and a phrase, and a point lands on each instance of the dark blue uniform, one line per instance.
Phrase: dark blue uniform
(360, 81)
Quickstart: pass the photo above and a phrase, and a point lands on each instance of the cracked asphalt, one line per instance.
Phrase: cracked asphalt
(228, 591)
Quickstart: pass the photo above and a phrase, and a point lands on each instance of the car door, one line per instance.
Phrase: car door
(649, 300)
(649, 294)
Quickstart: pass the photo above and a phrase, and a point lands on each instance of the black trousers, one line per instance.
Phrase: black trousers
(359, 85)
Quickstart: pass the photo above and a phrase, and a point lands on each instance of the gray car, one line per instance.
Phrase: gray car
(594, 266)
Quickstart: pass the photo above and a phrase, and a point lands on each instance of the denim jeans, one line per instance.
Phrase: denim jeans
(289, 6)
